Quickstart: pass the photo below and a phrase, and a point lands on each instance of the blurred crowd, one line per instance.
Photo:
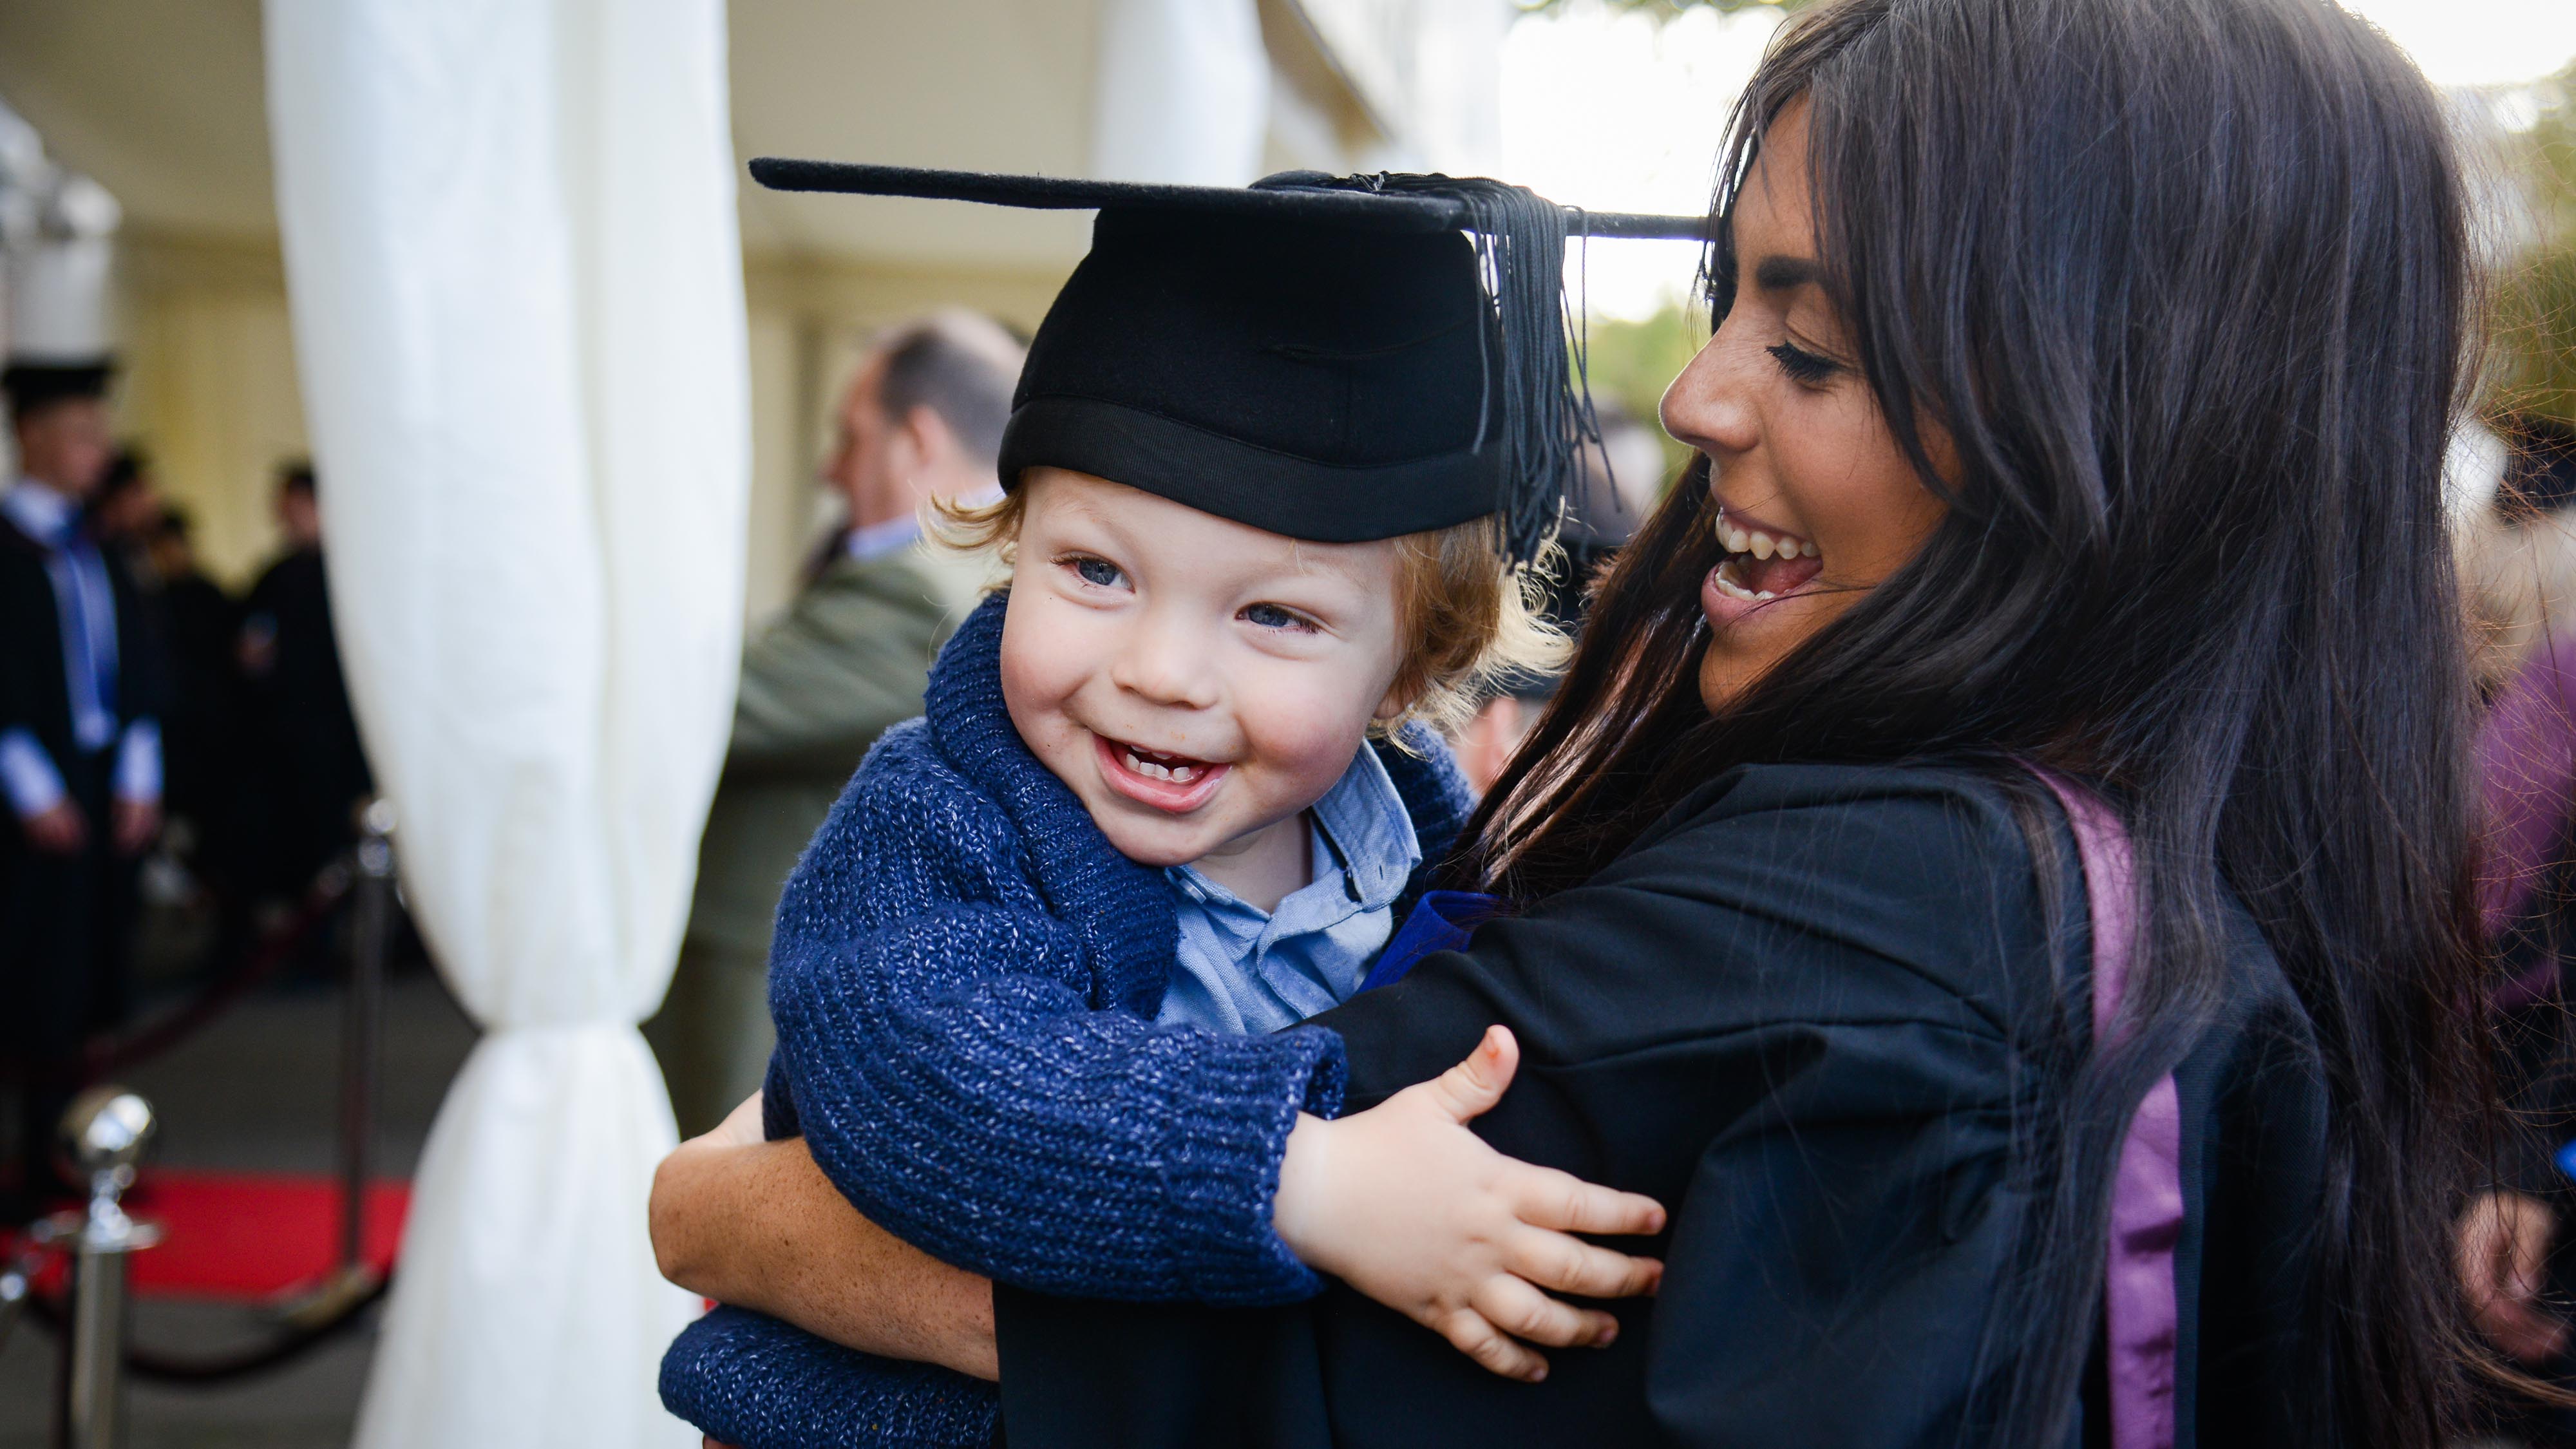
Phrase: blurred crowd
(165, 744)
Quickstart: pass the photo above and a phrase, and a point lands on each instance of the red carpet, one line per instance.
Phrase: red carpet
(247, 1237)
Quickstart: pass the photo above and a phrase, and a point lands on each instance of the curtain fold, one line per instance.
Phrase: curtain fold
(516, 285)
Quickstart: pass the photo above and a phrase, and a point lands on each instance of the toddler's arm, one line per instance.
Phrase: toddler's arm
(1401, 1200)
(956, 1081)
(960, 1093)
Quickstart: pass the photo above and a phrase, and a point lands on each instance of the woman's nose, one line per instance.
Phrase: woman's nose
(1709, 407)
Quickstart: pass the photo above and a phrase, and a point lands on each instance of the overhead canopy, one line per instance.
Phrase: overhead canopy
(162, 101)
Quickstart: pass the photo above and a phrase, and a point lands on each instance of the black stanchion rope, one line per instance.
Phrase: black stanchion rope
(164, 1368)
(102, 1056)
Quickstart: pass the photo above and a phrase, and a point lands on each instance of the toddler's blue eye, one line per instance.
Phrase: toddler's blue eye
(1099, 571)
(1271, 616)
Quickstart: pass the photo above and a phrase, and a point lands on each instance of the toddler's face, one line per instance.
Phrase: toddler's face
(1194, 680)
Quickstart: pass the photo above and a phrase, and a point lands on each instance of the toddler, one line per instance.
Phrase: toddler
(1037, 979)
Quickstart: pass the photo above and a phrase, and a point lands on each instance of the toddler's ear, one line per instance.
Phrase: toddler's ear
(1400, 696)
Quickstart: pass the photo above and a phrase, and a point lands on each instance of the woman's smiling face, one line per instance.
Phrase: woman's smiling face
(1816, 502)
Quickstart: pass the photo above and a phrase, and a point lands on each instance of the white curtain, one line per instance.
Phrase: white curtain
(517, 294)
(1181, 92)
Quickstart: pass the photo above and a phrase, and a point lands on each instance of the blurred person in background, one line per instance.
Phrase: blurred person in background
(201, 746)
(2516, 1257)
(122, 512)
(307, 771)
(922, 419)
(81, 683)
(1623, 480)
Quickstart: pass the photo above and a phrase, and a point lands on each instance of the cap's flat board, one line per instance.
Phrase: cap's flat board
(1410, 211)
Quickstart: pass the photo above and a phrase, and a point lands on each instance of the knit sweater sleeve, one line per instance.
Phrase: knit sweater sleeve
(953, 1077)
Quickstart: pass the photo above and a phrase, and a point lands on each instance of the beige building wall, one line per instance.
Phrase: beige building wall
(209, 387)
(210, 384)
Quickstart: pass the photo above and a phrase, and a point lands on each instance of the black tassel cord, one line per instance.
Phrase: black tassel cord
(1538, 346)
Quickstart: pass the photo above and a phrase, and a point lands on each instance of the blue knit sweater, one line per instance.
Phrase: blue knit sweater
(964, 978)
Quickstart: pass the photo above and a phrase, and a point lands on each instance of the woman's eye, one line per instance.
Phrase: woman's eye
(1801, 365)
(1271, 616)
(1099, 572)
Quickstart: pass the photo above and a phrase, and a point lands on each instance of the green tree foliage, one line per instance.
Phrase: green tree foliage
(1633, 362)
(2535, 318)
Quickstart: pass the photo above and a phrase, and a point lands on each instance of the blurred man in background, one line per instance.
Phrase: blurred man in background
(202, 627)
(80, 746)
(308, 770)
(122, 511)
(922, 420)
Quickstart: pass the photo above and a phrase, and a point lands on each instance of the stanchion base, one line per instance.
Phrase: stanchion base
(313, 1305)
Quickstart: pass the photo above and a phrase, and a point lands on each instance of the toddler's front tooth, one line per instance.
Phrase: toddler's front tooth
(1761, 545)
(1183, 774)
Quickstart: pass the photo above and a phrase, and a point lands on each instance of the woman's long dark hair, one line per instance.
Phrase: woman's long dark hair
(2187, 284)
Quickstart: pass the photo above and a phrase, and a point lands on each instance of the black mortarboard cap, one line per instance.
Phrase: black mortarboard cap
(32, 383)
(1335, 359)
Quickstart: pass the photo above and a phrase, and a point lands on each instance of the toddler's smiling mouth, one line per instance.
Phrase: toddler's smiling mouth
(1175, 784)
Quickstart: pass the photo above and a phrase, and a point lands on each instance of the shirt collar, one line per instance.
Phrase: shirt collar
(39, 511)
(897, 534)
(1364, 846)
(877, 540)
(1364, 826)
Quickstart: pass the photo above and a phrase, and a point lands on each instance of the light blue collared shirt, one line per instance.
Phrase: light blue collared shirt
(1244, 970)
(877, 540)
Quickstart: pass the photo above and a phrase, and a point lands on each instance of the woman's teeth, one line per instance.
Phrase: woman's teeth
(1154, 765)
(1739, 539)
(1761, 565)
(1727, 585)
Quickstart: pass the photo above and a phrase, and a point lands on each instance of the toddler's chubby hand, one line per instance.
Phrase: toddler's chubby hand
(1406, 1205)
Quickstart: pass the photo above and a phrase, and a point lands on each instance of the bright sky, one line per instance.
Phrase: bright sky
(1619, 114)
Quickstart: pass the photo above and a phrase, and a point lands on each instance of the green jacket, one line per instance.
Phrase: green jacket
(849, 657)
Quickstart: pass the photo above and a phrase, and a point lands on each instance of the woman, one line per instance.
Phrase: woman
(2078, 401)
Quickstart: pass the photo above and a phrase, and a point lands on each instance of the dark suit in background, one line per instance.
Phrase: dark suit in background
(309, 768)
(66, 919)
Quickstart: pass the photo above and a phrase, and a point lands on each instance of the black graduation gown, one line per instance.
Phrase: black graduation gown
(202, 626)
(1800, 1013)
(33, 690)
(312, 769)
(64, 919)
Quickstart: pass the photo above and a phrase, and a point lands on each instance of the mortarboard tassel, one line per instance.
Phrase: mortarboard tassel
(1534, 353)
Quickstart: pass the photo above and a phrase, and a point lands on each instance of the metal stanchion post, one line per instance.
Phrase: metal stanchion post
(362, 1032)
(104, 1136)
(17, 1284)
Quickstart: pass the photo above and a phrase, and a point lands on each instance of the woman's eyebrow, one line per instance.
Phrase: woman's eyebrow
(1782, 274)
